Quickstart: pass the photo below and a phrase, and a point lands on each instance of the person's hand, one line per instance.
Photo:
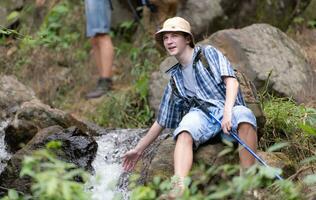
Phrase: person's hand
(130, 159)
(227, 122)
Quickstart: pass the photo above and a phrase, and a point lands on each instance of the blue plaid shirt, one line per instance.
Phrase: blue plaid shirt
(210, 88)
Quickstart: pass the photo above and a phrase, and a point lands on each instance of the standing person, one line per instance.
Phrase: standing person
(190, 79)
(98, 23)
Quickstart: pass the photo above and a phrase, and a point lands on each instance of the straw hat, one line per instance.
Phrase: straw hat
(175, 24)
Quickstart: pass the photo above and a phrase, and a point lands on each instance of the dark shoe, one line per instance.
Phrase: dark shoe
(103, 86)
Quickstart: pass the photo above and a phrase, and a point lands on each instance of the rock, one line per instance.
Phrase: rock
(165, 9)
(12, 95)
(261, 49)
(6, 8)
(34, 116)
(159, 80)
(162, 164)
(209, 16)
(77, 147)
(201, 15)
(278, 160)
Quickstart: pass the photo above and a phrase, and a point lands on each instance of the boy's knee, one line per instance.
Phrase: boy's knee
(185, 137)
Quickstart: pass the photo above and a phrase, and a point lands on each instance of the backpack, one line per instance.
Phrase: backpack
(248, 91)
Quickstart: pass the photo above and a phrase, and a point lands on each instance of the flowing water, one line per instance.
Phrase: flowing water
(4, 155)
(109, 181)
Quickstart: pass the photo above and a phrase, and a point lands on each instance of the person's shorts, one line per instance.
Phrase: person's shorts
(203, 128)
(98, 16)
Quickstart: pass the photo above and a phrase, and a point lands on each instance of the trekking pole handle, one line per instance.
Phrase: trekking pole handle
(247, 147)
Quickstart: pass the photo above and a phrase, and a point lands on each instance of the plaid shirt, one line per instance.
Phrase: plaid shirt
(210, 87)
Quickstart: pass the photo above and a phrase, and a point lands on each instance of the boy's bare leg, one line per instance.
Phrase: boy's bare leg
(247, 134)
(183, 159)
(183, 154)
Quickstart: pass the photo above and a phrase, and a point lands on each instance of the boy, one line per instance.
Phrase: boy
(218, 90)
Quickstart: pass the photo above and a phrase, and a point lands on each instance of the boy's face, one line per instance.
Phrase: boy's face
(175, 42)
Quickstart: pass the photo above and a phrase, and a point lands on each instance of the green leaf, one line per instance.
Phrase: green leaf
(277, 146)
(224, 152)
(308, 129)
(66, 191)
(13, 195)
(13, 16)
(220, 194)
(310, 179)
(308, 160)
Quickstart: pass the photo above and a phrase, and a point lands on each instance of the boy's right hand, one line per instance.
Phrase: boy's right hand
(130, 159)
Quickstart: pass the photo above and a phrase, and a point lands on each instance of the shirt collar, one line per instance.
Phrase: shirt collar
(174, 68)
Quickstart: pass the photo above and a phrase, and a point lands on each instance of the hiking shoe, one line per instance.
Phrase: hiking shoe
(103, 86)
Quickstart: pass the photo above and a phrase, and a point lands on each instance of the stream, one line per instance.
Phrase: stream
(110, 181)
(4, 155)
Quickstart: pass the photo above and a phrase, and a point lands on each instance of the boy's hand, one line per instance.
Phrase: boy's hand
(130, 159)
(227, 122)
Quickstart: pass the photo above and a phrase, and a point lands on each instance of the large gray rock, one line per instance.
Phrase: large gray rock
(34, 116)
(261, 49)
(256, 50)
(201, 14)
(77, 147)
(209, 16)
(162, 164)
(6, 7)
(12, 95)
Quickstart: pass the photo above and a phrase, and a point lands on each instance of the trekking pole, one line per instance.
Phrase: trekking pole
(247, 147)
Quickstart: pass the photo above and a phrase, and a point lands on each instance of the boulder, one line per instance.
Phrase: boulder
(6, 8)
(201, 15)
(268, 56)
(34, 116)
(162, 164)
(12, 95)
(209, 16)
(77, 147)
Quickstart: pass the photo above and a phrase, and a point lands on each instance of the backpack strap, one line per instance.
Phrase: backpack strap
(202, 58)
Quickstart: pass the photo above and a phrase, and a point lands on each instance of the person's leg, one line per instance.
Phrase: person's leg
(183, 159)
(183, 155)
(247, 134)
(103, 53)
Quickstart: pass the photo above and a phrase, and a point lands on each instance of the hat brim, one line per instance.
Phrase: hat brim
(159, 36)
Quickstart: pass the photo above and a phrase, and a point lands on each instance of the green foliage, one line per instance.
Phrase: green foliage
(52, 178)
(283, 115)
(221, 182)
(130, 108)
(123, 109)
(55, 32)
(289, 126)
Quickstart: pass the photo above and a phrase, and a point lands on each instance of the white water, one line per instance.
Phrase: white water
(4, 155)
(109, 181)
